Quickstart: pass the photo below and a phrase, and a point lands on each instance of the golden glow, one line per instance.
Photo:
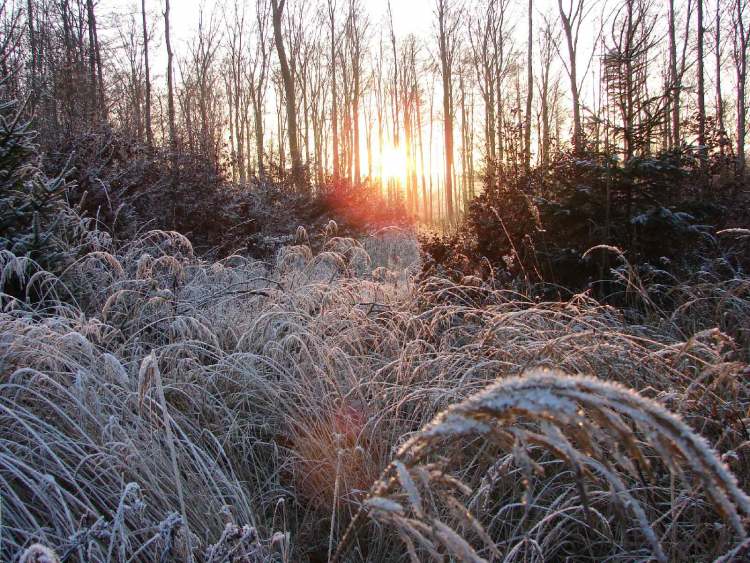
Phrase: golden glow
(393, 162)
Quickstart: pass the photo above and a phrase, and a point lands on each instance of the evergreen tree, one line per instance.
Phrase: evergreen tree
(32, 206)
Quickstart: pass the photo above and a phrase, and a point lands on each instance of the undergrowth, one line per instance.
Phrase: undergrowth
(334, 405)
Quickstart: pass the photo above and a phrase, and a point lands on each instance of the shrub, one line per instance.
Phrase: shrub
(34, 216)
(537, 228)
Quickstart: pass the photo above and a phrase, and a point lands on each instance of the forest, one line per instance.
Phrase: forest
(374, 281)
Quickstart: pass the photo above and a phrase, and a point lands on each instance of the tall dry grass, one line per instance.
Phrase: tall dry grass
(155, 406)
(581, 449)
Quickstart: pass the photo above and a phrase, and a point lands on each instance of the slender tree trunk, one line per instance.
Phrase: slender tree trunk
(232, 145)
(258, 119)
(425, 213)
(464, 144)
(719, 95)
(170, 92)
(240, 132)
(334, 94)
(701, 86)
(34, 51)
(288, 80)
(501, 153)
(305, 113)
(529, 91)
(674, 78)
(149, 130)
(544, 137)
(394, 85)
(573, 75)
(356, 76)
(740, 61)
(741, 128)
(99, 71)
(445, 65)
(355, 129)
(93, 83)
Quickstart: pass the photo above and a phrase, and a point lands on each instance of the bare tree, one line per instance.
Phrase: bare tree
(95, 64)
(236, 87)
(529, 90)
(356, 27)
(33, 47)
(203, 59)
(701, 84)
(277, 8)
(257, 78)
(448, 43)
(626, 74)
(677, 68)
(572, 17)
(170, 86)
(503, 48)
(674, 77)
(547, 41)
(149, 130)
(334, 41)
(741, 41)
(394, 84)
(483, 31)
(718, 54)
(127, 84)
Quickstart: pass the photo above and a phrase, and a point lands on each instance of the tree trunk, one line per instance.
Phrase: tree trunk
(334, 94)
(395, 97)
(573, 75)
(675, 85)
(529, 91)
(291, 108)
(445, 65)
(355, 38)
(701, 87)
(719, 95)
(258, 119)
(149, 131)
(34, 51)
(93, 83)
(740, 61)
(170, 92)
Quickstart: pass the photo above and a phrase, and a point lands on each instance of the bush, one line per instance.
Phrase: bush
(34, 215)
(537, 228)
(128, 187)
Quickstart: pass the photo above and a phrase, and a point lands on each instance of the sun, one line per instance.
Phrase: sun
(393, 162)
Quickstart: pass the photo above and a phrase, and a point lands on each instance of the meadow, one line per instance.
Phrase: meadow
(341, 405)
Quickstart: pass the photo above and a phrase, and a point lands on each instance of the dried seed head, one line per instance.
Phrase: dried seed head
(37, 553)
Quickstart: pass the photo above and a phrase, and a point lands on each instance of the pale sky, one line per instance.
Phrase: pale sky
(409, 16)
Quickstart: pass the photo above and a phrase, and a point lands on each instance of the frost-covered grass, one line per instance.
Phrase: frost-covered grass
(153, 405)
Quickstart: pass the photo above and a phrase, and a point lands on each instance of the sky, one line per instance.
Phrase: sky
(409, 16)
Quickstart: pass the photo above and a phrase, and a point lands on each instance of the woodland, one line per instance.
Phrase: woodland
(374, 281)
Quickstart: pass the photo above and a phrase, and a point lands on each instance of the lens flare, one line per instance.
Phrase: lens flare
(393, 162)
